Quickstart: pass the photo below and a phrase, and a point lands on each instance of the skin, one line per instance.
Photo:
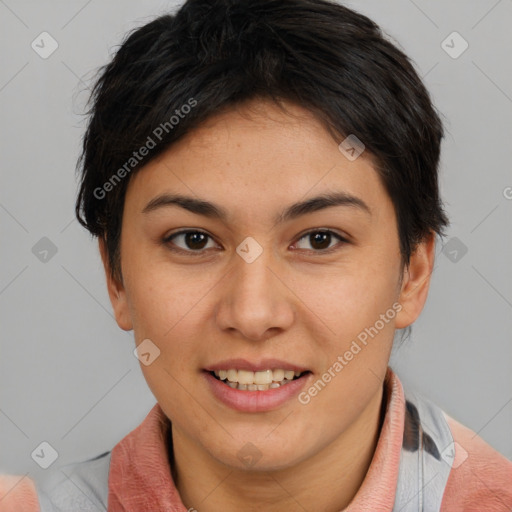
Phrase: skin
(295, 302)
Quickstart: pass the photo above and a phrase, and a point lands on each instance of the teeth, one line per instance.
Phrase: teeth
(256, 381)
(256, 387)
(245, 377)
(278, 375)
(264, 377)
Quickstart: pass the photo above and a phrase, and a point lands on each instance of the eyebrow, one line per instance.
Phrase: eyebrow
(211, 210)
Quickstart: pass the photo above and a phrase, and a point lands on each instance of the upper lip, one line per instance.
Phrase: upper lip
(264, 364)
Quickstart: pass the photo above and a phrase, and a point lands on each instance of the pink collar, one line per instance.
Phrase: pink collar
(140, 475)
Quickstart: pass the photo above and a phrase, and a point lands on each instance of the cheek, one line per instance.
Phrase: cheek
(166, 308)
(351, 298)
(360, 314)
(154, 295)
(359, 307)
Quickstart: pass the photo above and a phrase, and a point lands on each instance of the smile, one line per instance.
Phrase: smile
(264, 380)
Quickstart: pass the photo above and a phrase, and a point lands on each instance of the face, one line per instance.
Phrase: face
(250, 289)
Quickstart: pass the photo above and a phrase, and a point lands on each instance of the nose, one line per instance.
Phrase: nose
(255, 300)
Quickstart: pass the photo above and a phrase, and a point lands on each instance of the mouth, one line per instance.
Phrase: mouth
(245, 380)
(251, 386)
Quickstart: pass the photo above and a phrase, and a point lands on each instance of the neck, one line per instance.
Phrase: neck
(334, 474)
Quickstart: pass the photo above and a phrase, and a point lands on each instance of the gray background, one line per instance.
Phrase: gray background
(67, 372)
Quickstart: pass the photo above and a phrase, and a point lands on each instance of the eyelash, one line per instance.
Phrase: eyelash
(169, 238)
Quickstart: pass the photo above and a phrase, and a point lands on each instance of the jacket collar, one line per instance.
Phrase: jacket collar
(140, 476)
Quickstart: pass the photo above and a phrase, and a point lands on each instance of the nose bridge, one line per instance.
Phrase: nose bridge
(253, 282)
(254, 300)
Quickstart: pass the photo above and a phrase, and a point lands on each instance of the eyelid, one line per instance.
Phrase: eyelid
(168, 239)
(343, 239)
(184, 232)
(341, 235)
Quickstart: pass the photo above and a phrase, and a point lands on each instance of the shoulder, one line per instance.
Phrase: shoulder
(480, 478)
(80, 486)
(457, 470)
(18, 494)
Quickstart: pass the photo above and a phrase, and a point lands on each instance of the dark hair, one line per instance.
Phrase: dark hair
(174, 72)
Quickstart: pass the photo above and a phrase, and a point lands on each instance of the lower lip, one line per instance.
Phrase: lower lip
(255, 401)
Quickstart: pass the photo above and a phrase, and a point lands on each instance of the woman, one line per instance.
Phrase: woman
(262, 178)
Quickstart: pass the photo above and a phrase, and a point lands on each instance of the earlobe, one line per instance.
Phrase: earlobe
(116, 292)
(416, 282)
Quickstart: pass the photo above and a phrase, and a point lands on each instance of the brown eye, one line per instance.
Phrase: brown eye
(321, 240)
(192, 241)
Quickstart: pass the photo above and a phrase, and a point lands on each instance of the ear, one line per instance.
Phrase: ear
(116, 292)
(416, 282)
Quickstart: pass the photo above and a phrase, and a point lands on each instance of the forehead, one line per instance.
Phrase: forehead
(255, 156)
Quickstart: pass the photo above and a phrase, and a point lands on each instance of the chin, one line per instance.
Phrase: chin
(259, 456)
